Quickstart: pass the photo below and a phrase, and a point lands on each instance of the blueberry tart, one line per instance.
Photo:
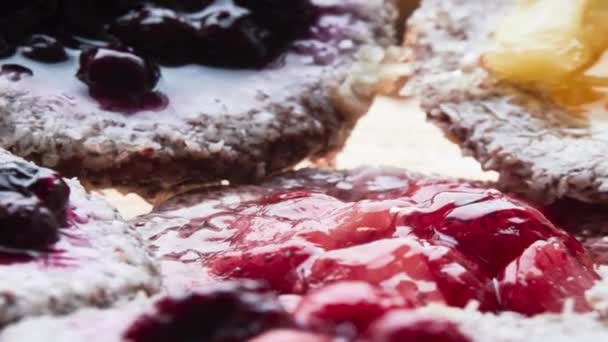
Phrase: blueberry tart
(149, 94)
(62, 249)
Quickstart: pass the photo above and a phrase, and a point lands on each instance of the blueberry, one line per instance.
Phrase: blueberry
(17, 18)
(29, 180)
(230, 37)
(156, 32)
(184, 5)
(43, 48)
(287, 18)
(228, 312)
(6, 48)
(25, 223)
(89, 17)
(15, 72)
(117, 71)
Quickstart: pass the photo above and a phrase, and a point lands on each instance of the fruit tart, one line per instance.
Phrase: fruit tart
(519, 85)
(388, 255)
(61, 248)
(146, 95)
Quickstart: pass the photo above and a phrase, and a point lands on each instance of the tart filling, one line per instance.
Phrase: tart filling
(552, 45)
(352, 246)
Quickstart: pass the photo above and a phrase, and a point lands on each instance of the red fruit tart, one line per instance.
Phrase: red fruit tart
(350, 252)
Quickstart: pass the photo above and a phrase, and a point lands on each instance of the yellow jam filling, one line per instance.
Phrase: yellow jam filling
(552, 45)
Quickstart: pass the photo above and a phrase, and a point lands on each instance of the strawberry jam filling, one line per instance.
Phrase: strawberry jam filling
(350, 249)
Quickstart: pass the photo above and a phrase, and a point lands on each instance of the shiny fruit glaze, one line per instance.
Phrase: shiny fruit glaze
(351, 248)
(420, 273)
(346, 308)
(549, 274)
(401, 325)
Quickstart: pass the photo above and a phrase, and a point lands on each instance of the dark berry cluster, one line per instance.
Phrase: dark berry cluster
(33, 206)
(229, 312)
(222, 33)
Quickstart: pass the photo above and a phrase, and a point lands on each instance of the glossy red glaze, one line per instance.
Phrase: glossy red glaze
(401, 326)
(486, 225)
(346, 308)
(423, 239)
(544, 278)
(430, 241)
(419, 272)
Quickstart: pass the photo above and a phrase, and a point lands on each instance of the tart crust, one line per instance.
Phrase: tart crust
(101, 260)
(539, 149)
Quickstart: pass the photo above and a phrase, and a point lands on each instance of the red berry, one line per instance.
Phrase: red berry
(544, 277)
(322, 220)
(421, 273)
(274, 264)
(402, 326)
(485, 225)
(346, 308)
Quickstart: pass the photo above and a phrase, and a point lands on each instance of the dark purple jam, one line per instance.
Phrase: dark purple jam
(33, 207)
(227, 312)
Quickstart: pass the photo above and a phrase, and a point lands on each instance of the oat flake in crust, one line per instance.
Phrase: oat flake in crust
(537, 148)
(240, 125)
(99, 260)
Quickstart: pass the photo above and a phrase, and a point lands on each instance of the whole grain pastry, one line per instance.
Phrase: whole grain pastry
(221, 109)
(539, 148)
(62, 249)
